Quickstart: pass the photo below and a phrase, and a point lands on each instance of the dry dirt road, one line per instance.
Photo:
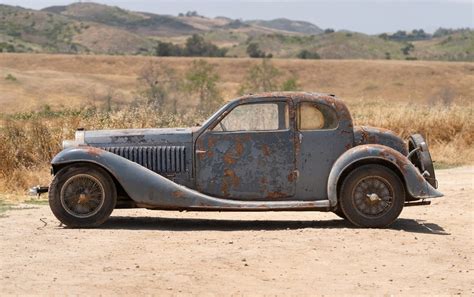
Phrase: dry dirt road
(429, 250)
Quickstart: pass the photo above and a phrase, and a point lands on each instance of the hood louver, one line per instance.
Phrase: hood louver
(160, 159)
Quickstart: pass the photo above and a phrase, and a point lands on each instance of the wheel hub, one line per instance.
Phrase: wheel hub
(372, 196)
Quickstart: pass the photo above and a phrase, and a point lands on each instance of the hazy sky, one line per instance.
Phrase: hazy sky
(362, 16)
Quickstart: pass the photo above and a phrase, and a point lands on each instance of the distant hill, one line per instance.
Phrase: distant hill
(289, 25)
(103, 29)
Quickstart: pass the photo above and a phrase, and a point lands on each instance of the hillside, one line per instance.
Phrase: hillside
(85, 79)
(101, 29)
(289, 25)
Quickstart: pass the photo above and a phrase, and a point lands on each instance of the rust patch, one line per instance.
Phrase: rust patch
(239, 148)
(265, 150)
(94, 151)
(228, 159)
(292, 177)
(177, 194)
(275, 195)
(211, 142)
(234, 178)
(230, 179)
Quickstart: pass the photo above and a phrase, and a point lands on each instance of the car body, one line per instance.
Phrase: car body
(261, 152)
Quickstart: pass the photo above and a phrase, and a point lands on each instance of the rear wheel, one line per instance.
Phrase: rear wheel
(82, 196)
(372, 196)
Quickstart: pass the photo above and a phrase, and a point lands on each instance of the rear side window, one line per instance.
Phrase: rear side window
(312, 116)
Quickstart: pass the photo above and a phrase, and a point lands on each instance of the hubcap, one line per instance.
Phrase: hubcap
(82, 195)
(372, 196)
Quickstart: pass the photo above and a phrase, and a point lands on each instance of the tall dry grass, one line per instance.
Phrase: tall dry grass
(28, 141)
(448, 129)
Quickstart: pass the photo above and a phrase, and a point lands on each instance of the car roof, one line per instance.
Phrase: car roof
(307, 96)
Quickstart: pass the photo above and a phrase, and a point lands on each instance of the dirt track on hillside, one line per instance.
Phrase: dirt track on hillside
(427, 251)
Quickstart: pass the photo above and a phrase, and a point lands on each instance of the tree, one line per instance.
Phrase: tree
(254, 51)
(306, 54)
(328, 31)
(168, 49)
(260, 78)
(160, 85)
(196, 46)
(407, 48)
(201, 80)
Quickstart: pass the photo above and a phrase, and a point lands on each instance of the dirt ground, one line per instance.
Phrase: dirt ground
(429, 250)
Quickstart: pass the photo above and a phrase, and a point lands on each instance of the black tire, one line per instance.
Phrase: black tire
(372, 196)
(422, 158)
(82, 196)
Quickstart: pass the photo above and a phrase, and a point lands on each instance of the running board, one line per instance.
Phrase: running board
(235, 205)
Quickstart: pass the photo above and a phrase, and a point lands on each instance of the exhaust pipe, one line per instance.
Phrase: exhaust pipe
(38, 190)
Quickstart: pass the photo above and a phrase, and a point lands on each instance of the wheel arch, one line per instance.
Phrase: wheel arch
(56, 167)
(367, 161)
(416, 187)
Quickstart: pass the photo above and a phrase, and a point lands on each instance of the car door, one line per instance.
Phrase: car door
(322, 139)
(248, 154)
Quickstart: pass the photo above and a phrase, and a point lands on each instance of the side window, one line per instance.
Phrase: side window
(312, 116)
(256, 117)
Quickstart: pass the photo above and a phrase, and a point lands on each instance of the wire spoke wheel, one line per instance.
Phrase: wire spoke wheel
(82, 195)
(372, 196)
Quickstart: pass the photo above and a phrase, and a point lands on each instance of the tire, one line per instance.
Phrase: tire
(82, 196)
(422, 158)
(372, 196)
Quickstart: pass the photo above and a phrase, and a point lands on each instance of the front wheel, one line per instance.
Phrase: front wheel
(372, 196)
(82, 196)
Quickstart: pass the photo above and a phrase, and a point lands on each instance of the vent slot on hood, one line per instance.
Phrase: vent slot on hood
(160, 159)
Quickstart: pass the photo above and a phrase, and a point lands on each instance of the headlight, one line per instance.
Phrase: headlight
(79, 140)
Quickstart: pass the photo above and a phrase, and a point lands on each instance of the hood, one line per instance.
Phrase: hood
(132, 137)
(372, 135)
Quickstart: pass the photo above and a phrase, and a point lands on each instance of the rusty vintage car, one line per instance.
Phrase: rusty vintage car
(265, 152)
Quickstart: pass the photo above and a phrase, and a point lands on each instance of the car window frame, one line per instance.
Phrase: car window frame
(298, 118)
(262, 101)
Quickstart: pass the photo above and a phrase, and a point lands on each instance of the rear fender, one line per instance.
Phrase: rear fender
(415, 183)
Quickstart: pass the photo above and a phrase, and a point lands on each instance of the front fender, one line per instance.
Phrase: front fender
(415, 183)
(145, 187)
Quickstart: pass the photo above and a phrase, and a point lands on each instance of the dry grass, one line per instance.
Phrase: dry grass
(29, 141)
(72, 80)
(434, 98)
(449, 129)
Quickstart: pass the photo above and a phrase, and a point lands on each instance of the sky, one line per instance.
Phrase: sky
(365, 16)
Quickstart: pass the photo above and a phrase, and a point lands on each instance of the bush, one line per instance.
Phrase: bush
(10, 77)
(254, 51)
(306, 54)
(195, 46)
(290, 84)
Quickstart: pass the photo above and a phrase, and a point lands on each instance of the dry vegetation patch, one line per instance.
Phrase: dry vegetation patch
(67, 92)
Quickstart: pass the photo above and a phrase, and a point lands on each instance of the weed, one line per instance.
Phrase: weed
(10, 77)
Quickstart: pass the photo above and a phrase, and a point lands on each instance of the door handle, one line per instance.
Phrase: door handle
(300, 137)
(200, 152)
